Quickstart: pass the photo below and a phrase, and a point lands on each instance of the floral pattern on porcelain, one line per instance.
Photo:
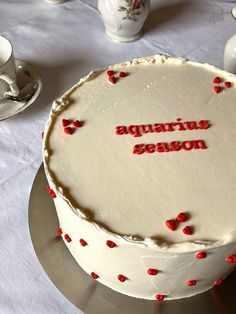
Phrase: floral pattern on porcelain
(132, 9)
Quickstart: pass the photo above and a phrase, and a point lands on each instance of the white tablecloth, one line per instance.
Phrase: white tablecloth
(65, 42)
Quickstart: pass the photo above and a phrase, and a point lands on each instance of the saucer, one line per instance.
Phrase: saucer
(25, 74)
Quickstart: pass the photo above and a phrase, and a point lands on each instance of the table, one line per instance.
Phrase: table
(65, 42)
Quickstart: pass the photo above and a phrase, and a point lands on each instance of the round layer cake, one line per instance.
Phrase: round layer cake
(140, 160)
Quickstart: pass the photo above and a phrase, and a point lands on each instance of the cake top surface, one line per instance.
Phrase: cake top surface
(158, 142)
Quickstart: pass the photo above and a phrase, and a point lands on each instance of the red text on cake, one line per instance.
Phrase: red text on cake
(178, 125)
(173, 146)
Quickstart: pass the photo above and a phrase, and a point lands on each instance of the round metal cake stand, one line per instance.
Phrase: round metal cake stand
(90, 296)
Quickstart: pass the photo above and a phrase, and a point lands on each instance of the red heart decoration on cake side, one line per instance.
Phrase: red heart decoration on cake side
(110, 244)
(152, 271)
(201, 255)
(52, 194)
(171, 224)
(182, 217)
(187, 230)
(218, 282)
(59, 231)
(122, 278)
(191, 283)
(83, 242)
(94, 276)
(67, 238)
(160, 297)
(230, 259)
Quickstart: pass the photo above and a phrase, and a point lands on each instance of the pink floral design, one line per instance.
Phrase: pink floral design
(132, 9)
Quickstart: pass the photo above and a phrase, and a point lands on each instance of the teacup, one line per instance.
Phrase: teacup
(8, 85)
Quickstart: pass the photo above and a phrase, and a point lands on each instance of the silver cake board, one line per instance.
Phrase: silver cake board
(89, 295)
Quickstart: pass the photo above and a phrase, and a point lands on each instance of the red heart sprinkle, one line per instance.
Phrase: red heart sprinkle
(191, 283)
(65, 122)
(52, 194)
(217, 89)
(76, 124)
(217, 80)
(218, 282)
(160, 297)
(110, 244)
(59, 231)
(187, 230)
(152, 271)
(94, 276)
(201, 255)
(69, 130)
(83, 242)
(67, 238)
(42, 134)
(230, 259)
(171, 224)
(112, 79)
(122, 278)
(182, 217)
(122, 74)
(110, 73)
(228, 84)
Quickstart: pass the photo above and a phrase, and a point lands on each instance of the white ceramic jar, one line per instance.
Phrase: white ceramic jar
(123, 19)
(230, 55)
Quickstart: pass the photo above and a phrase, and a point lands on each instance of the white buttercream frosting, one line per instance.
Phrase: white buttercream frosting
(106, 191)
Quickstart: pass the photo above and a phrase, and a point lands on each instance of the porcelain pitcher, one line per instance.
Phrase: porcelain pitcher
(123, 19)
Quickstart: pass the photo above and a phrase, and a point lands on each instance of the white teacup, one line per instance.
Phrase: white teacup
(8, 85)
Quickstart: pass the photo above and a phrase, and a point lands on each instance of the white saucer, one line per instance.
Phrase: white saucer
(234, 12)
(25, 74)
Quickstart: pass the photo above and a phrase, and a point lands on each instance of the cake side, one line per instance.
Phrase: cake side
(143, 270)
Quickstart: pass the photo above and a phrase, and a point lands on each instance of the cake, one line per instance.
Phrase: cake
(140, 162)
